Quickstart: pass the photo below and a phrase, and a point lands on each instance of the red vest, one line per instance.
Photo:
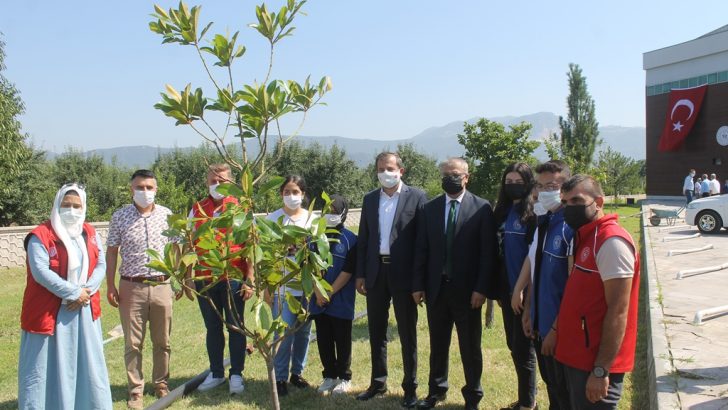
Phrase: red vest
(206, 209)
(584, 306)
(40, 306)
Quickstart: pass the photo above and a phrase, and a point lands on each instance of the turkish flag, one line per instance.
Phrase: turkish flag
(682, 112)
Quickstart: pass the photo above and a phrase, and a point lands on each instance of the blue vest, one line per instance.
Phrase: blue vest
(515, 246)
(553, 273)
(341, 304)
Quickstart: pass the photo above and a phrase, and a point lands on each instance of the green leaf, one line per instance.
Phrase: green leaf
(293, 304)
(189, 259)
(230, 189)
(159, 266)
(272, 183)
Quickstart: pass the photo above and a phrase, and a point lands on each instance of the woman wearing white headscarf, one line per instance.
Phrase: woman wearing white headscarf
(61, 364)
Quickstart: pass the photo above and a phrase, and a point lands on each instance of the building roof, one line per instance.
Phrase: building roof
(716, 31)
(712, 43)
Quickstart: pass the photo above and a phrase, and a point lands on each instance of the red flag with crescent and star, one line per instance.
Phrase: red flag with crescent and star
(682, 112)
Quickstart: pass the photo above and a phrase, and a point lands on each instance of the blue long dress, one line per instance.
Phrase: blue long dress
(66, 370)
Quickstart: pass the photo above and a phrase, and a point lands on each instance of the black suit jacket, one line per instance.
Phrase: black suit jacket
(474, 249)
(401, 239)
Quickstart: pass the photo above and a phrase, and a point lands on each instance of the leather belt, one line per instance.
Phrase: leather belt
(385, 259)
(142, 279)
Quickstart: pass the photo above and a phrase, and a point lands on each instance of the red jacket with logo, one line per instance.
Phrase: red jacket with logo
(584, 305)
(206, 209)
(40, 306)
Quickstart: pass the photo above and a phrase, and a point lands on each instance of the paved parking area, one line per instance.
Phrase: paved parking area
(691, 361)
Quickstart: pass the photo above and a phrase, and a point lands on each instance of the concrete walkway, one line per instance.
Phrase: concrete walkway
(689, 362)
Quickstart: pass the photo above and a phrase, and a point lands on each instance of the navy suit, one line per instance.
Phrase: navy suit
(390, 281)
(474, 269)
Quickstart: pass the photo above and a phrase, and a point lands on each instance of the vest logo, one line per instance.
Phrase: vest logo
(340, 248)
(93, 240)
(585, 254)
(516, 224)
(52, 252)
(557, 243)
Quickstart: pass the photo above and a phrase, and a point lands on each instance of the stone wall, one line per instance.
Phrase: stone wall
(12, 254)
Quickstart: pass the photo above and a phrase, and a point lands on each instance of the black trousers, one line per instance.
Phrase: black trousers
(552, 373)
(405, 312)
(523, 354)
(452, 307)
(333, 337)
(576, 383)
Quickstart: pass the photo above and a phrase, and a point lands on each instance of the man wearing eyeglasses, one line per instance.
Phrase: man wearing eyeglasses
(552, 262)
(454, 272)
(144, 295)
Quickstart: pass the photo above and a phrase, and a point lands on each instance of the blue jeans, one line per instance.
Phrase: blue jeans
(215, 339)
(293, 350)
(689, 195)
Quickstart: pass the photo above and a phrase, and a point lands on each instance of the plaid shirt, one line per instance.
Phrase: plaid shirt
(134, 234)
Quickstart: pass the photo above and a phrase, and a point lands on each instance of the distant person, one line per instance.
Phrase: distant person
(724, 190)
(228, 296)
(714, 185)
(293, 349)
(689, 186)
(516, 223)
(704, 186)
(61, 361)
(696, 193)
(597, 323)
(144, 296)
(385, 251)
(334, 317)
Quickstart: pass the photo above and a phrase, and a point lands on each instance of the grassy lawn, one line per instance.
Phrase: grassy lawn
(189, 358)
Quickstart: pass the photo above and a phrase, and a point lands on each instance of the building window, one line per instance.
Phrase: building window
(664, 88)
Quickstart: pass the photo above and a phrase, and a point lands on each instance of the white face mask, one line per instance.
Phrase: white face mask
(71, 216)
(144, 198)
(538, 209)
(293, 201)
(388, 179)
(213, 192)
(332, 220)
(551, 200)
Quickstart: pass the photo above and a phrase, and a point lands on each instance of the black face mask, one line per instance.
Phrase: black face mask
(452, 184)
(515, 191)
(575, 216)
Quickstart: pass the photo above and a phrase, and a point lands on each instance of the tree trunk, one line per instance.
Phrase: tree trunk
(272, 381)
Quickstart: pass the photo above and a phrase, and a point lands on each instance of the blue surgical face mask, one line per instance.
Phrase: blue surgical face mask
(551, 200)
(71, 216)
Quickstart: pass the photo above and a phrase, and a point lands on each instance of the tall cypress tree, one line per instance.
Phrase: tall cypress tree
(580, 130)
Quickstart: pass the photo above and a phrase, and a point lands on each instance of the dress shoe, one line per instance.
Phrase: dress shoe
(409, 401)
(371, 392)
(298, 381)
(135, 402)
(430, 401)
(282, 388)
(161, 390)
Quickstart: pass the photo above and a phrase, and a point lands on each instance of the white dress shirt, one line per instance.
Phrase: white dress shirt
(387, 208)
(458, 200)
(688, 185)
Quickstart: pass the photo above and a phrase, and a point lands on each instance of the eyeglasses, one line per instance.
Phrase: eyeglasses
(552, 186)
(74, 184)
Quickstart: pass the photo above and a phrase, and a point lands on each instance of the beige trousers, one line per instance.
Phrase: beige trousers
(140, 303)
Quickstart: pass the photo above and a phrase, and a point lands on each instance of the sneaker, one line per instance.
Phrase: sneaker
(342, 388)
(282, 388)
(236, 384)
(299, 381)
(328, 384)
(136, 402)
(210, 382)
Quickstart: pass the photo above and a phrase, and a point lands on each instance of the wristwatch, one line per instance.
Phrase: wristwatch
(599, 372)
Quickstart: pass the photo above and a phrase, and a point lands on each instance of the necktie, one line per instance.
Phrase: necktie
(449, 236)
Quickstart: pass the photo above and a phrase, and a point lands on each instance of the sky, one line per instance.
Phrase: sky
(89, 72)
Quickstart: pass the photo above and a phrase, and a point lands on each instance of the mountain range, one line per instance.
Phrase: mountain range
(440, 142)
